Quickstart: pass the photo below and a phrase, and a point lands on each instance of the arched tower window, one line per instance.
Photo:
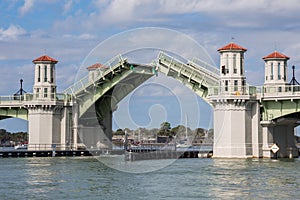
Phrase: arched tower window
(45, 73)
(279, 74)
(39, 74)
(284, 72)
(234, 64)
(242, 63)
(227, 64)
(272, 71)
(51, 73)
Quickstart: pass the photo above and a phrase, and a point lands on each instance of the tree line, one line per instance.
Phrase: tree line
(165, 130)
(10, 139)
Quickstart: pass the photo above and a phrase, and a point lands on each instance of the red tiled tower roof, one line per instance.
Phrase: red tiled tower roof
(45, 58)
(232, 46)
(95, 66)
(275, 55)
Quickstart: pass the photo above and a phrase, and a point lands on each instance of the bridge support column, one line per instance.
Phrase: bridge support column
(281, 133)
(233, 128)
(267, 133)
(66, 128)
(256, 131)
(107, 129)
(75, 120)
(92, 134)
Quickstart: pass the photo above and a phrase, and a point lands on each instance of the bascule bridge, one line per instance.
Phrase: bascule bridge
(248, 120)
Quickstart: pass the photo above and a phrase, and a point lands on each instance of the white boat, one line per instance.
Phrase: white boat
(184, 143)
(21, 146)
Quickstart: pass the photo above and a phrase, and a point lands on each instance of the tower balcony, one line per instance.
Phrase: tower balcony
(232, 91)
(19, 100)
(278, 91)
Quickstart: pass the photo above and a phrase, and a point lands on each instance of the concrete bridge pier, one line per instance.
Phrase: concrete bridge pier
(48, 126)
(233, 128)
(74, 135)
(281, 133)
(92, 134)
(106, 125)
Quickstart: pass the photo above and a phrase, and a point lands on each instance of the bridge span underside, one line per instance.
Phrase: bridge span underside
(279, 117)
(96, 122)
(13, 112)
(281, 131)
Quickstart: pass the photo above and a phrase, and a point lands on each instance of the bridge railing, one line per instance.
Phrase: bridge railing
(232, 90)
(190, 69)
(49, 97)
(19, 99)
(206, 66)
(86, 81)
(49, 147)
(279, 90)
(15, 99)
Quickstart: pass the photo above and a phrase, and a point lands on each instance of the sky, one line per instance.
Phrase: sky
(69, 30)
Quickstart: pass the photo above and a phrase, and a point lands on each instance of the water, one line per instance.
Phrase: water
(87, 178)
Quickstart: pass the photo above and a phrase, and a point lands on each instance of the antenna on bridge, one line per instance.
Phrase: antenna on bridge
(294, 81)
(20, 91)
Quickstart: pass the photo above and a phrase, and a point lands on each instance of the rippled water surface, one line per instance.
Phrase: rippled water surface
(88, 178)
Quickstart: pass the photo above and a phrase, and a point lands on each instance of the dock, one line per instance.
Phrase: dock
(130, 155)
(58, 153)
(154, 155)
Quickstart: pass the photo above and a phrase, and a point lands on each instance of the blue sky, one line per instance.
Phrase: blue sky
(69, 30)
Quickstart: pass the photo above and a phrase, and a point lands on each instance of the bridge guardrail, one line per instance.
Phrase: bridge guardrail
(15, 99)
(47, 147)
(19, 99)
(237, 91)
(279, 90)
(190, 70)
(205, 71)
(206, 66)
(83, 83)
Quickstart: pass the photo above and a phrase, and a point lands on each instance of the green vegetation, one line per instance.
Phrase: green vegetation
(165, 130)
(166, 133)
(119, 132)
(9, 139)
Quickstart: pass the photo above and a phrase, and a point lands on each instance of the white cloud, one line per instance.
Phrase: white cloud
(12, 32)
(28, 4)
(229, 19)
(119, 10)
(84, 36)
(67, 6)
(131, 10)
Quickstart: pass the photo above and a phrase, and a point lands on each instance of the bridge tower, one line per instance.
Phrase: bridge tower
(275, 69)
(44, 77)
(236, 113)
(278, 131)
(48, 117)
(232, 68)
